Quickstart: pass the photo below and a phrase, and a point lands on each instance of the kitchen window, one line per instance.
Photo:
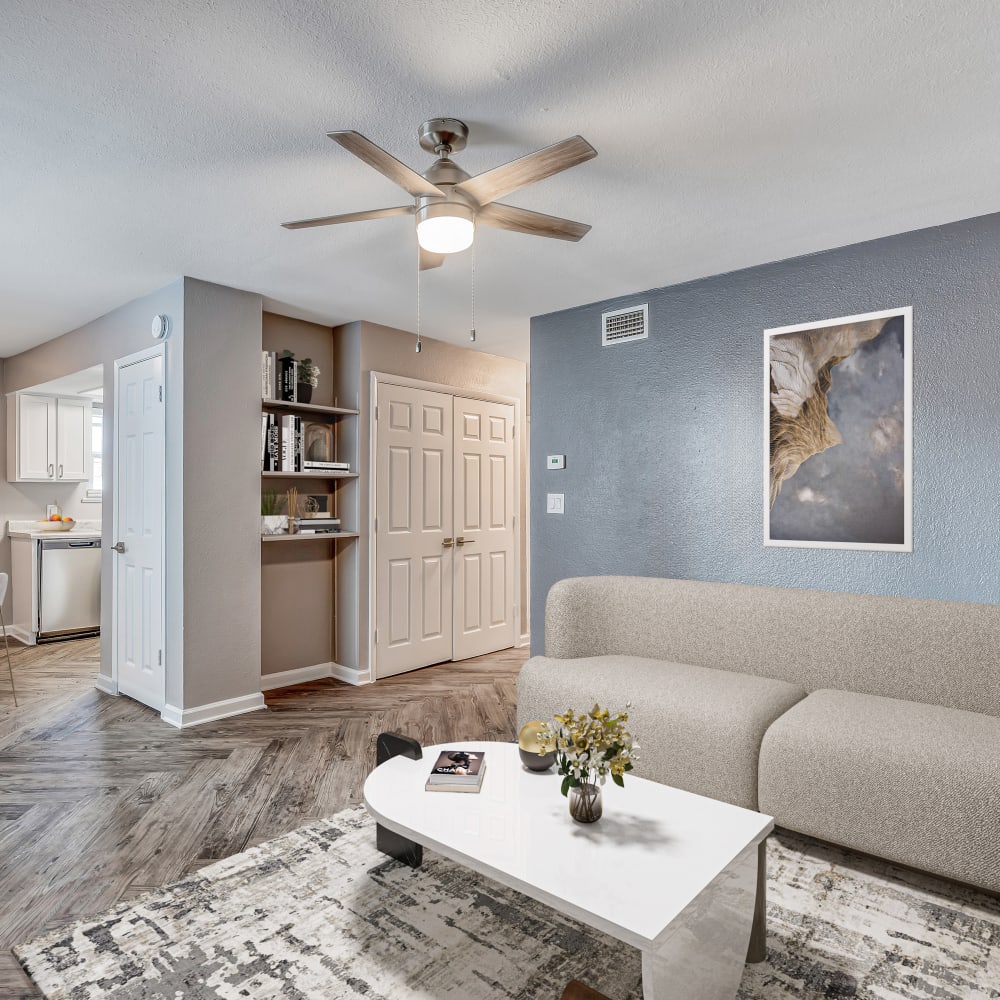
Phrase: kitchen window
(95, 488)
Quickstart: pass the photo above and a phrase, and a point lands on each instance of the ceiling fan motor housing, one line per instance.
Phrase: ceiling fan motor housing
(438, 133)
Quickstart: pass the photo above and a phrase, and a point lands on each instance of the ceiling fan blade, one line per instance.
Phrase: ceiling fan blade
(500, 181)
(520, 220)
(333, 220)
(385, 163)
(429, 260)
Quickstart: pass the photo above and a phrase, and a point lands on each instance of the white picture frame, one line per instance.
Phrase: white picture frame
(797, 418)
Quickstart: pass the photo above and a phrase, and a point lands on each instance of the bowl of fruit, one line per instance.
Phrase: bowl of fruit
(57, 523)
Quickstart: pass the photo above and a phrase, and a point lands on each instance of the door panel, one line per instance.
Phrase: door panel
(138, 609)
(73, 432)
(36, 428)
(484, 496)
(413, 509)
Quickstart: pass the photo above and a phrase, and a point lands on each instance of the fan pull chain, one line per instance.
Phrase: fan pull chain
(472, 332)
(418, 346)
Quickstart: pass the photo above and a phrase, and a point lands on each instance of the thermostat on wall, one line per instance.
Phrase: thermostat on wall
(161, 326)
(556, 462)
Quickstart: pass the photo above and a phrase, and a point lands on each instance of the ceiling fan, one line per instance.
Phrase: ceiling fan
(448, 203)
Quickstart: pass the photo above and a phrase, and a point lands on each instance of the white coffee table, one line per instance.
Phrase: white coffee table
(669, 872)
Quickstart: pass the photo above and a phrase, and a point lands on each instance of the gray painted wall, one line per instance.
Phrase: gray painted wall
(665, 442)
(118, 334)
(221, 592)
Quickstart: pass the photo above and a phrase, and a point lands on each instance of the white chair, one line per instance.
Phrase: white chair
(4, 578)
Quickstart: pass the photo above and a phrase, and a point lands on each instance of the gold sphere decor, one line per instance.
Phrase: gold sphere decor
(527, 747)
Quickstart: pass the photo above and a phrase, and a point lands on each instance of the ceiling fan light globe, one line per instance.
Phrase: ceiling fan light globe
(445, 228)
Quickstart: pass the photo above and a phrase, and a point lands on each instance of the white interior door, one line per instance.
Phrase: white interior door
(484, 527)
(138, 497)
(413, 529)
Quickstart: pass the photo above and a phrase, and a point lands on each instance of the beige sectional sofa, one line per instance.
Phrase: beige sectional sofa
(869, 722)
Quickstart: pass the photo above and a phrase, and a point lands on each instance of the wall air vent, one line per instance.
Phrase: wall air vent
(622, 325)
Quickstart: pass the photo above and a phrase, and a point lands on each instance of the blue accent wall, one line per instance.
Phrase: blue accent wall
(664, 437)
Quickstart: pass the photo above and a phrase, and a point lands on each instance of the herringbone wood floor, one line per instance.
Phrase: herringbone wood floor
(100, 800)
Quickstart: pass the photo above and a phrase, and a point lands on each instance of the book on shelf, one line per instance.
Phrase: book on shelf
(457, 771)
(308, 465)
(268, 375)
(288, 380)
(270, 443)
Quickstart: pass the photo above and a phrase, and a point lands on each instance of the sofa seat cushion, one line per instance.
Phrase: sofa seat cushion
(917, 784)
(698, 728)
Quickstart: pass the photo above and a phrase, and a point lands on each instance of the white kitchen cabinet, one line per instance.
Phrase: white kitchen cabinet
(48, 438)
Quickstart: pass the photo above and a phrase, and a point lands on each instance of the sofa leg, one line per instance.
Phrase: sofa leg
(757, 950)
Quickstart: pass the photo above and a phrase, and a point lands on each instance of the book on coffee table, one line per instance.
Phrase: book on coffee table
(457, 771)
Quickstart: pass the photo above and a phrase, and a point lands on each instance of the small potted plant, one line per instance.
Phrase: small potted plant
(308, 379)
(271, 522)
(589, 746)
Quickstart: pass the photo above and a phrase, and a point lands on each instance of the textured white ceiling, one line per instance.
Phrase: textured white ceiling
(143, 140)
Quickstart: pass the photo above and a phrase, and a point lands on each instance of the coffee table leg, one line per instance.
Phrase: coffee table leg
(401, 848)
(703, 952)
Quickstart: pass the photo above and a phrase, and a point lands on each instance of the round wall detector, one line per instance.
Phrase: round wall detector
(161, 326)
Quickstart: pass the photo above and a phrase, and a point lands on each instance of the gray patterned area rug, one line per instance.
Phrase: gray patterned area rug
(319, 914)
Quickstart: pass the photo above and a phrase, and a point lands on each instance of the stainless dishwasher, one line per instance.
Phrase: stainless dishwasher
(69, 588)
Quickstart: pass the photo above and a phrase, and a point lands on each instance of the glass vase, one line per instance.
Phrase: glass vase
(585, 803)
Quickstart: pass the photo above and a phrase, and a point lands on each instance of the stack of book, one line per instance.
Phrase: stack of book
(282, 447)
(278, 377)
(457, 771)
(281, 443)
(312, 465)
(316, 524)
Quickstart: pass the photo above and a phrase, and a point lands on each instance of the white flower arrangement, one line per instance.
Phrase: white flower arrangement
(590, 746)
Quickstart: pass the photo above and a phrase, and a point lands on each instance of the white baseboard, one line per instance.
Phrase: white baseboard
(106, 684)
(183, 718)
(300, 675)
(349, 675)
(22, 634)
(525, 640)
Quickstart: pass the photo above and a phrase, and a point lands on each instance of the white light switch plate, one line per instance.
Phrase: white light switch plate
(556, 462)
(554, 503)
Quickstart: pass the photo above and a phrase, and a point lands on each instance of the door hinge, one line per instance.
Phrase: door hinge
(376, 637)
(376, 413)
(160, 388)
(376, 524)
(159, 657)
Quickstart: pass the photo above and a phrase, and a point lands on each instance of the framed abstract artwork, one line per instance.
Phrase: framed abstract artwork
(838, 463)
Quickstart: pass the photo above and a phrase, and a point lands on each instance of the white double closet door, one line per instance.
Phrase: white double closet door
(445, 529)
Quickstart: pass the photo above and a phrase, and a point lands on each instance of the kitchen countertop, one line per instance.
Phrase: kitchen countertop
(30, 529)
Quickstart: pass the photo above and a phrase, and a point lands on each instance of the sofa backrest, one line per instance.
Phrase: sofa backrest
(940, 652)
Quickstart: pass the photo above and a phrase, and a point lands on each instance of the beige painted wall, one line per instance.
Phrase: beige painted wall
(212, 481)
(221, 579)
(118, 334)
(384, 349)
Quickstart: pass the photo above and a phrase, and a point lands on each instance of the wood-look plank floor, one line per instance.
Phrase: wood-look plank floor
(101, 801)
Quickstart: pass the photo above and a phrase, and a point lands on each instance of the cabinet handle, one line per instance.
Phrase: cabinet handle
(60, 471)
(52, 471)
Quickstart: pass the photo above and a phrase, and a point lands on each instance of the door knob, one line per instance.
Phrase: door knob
(462, 540)
(447, 543)
(119, 547)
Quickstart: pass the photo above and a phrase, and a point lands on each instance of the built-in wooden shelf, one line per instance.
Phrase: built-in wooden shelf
(330, 536)
(333, 411)
(309, 475)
